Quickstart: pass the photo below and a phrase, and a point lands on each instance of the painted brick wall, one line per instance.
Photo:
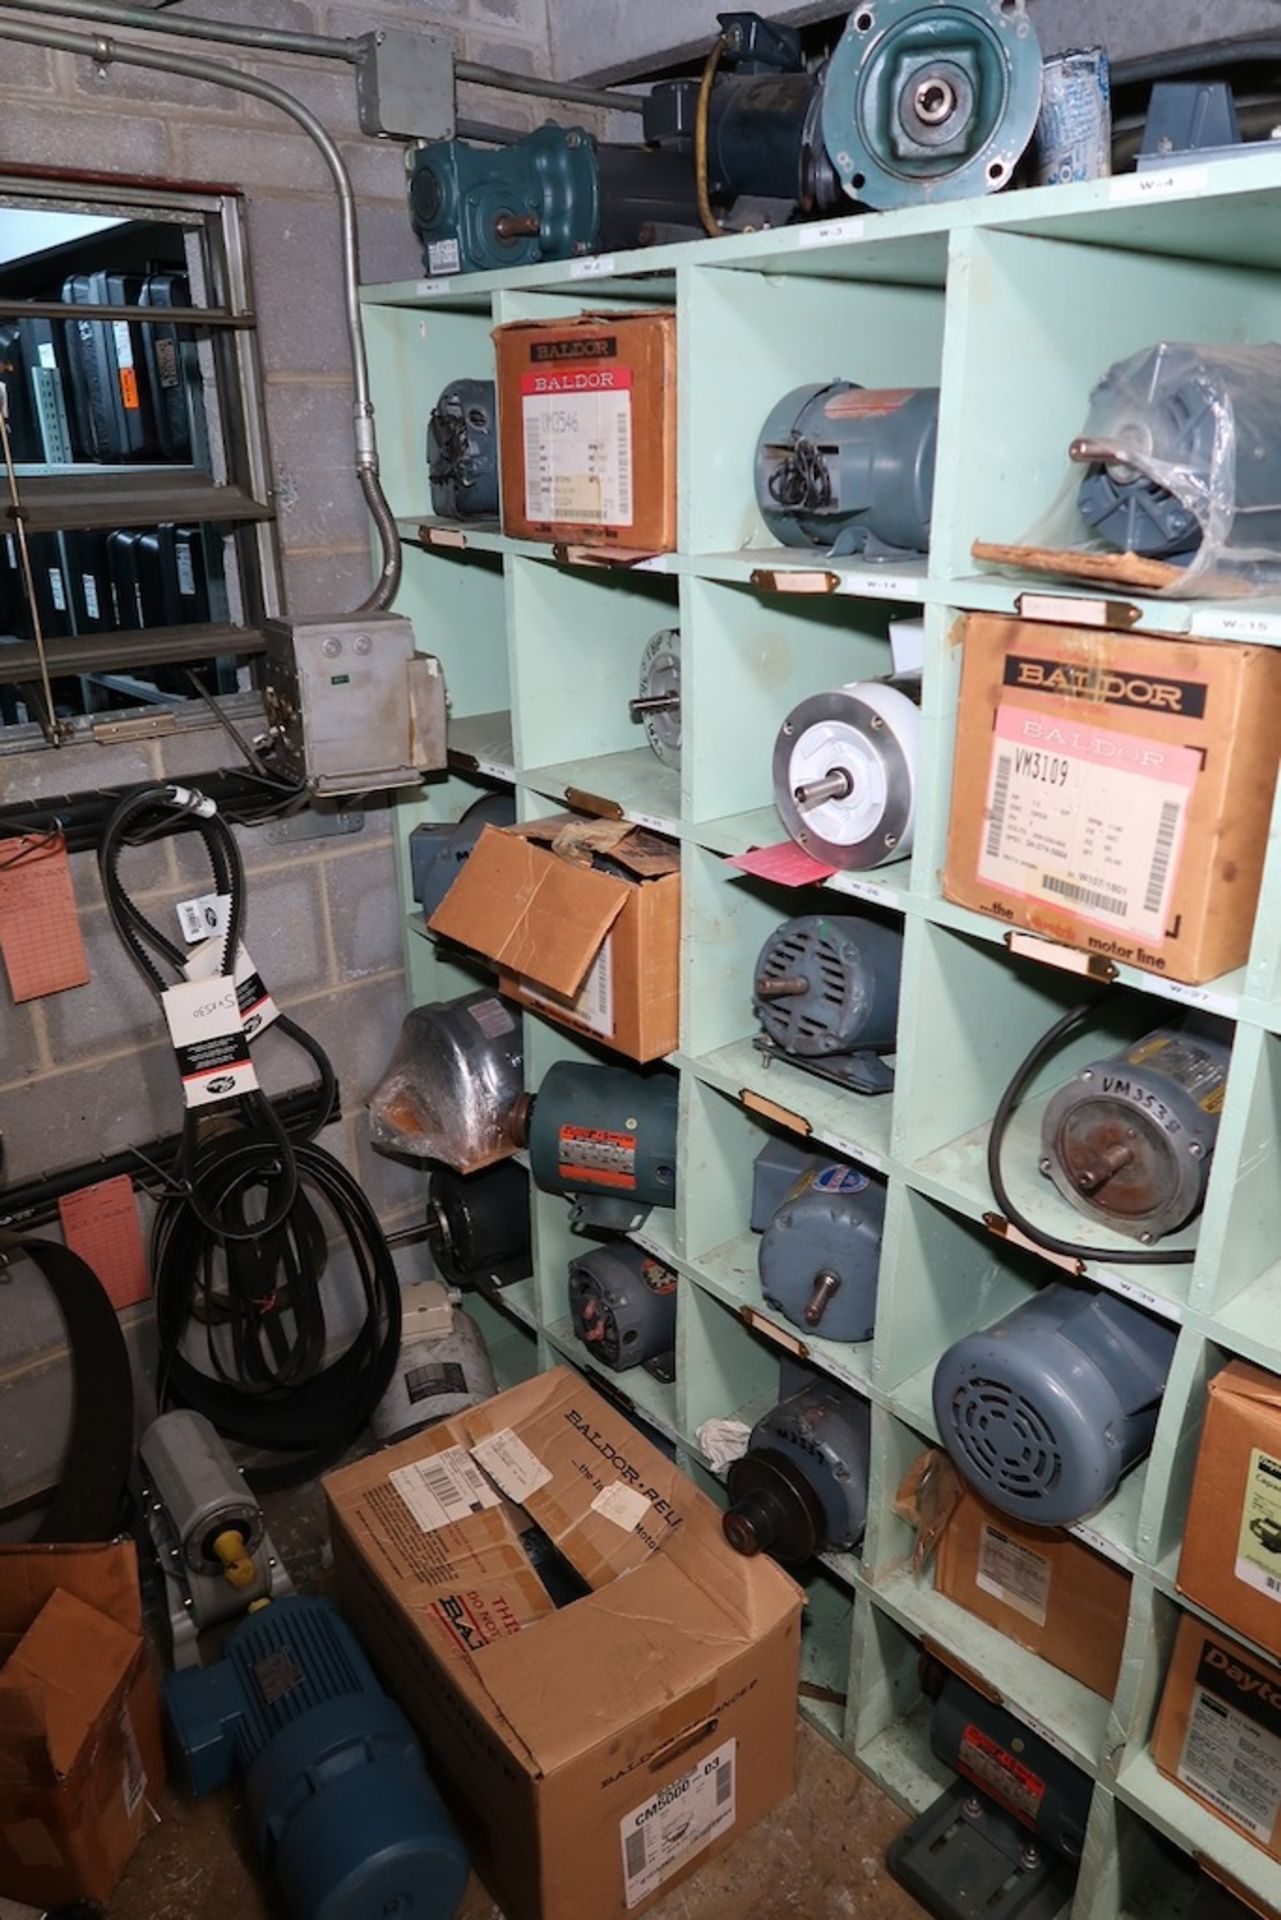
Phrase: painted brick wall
(87, 1071)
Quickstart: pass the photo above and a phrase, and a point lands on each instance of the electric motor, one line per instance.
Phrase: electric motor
(1045, 1411)
(801, 1487)
(820, 1254)
(623, 1304)
(850, 469)
(845, 774)
(478, 1225)
(1129, 1141)
(605, 1136)
(455, 1084)
(658, 703)
(443, 1367)
(462, 451)
(827, 995)
(438, 851)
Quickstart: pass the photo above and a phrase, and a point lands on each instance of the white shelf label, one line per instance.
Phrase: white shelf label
(1219, 624)
(429, 289)
(882, 586)
(494, 771)
(865, 890)
(1142, 1296)
(653, 821)
(598, 267)
(832, 233)
(1158, 186)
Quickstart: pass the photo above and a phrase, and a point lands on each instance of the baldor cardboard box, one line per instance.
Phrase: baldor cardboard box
(1231, 1559)
(587, 429)
(1113, 791)
(1218, 1733)
(599, 952)
(596, 1753)
(1043, 1589)
(80, 1748)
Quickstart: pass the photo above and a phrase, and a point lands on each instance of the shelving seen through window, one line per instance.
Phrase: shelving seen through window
(138, 557)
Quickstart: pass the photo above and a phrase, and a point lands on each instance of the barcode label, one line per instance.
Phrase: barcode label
(1014, 1574)
(678, 1822)
(1000, 801)
(93, 606)
(634, 1855)
(443, 1489)
(186, 570)
(1233, 1764)
(124, 343)
(577, 431)
(204, 918)
(725, 1783)
(57, 589)
(1085, 896)
(1162, 854)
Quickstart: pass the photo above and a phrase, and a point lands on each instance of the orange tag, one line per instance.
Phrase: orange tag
(100, 1223)
(129, 388)
(39, 927)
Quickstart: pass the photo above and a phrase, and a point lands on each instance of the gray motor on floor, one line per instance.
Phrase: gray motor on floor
(850, 469)
(208, 1530)
(827, 995)
(820, 1249)
(623, 1304)
(845, 773)
(462, 451)
(438, 852)
(443, 1368)
(1045, 1411)
(605, 1136)
(1129, 1141)
(658, 701)
(801, 1487)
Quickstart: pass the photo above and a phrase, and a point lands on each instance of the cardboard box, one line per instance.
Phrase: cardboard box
(587, 429)
(599, 952)
(1040, 1587)
(599, 1752)
(1231, 1559)
(1113, 791)
(1218, 1733)
(80, 1747)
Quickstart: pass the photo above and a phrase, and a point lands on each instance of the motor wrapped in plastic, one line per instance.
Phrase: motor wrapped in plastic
(462, 451)
(438, 851)
(606, 1137)
(623, 1305)
(454, 1085)
(845, 773)
(850, 469)
(1046, 1410)
(801, 1487)
(827, 996)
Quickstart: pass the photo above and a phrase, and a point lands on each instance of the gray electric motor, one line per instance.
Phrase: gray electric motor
(827, 992)
(850, 469)
(820, 1250)
(438, 852)
(462, 452)
(801, 1487)
(1129, 1141)
(623, 1305)
(478, 1226)
(210, 1537)
(605, 1136)
(845, 773)
(658, 703)
(443, 1367)
(455, 1086)
(1045, 1411)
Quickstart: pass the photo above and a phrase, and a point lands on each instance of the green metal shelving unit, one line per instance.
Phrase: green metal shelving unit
(1014, 305)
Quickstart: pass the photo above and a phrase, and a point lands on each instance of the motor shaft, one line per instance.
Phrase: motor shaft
(836, 785)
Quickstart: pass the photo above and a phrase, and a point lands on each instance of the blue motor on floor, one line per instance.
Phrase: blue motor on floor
(341, 1804)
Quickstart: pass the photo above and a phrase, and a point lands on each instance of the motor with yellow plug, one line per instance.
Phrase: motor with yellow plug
(208, 1530)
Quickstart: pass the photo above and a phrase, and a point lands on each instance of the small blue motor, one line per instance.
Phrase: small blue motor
(462, 451)
(339, 1797)
(850, 469)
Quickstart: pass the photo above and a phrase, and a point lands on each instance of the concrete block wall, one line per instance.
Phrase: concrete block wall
(88, 1071)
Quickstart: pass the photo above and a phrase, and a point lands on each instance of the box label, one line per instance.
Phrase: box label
(444, 256)
(1085, 818)
(1259, 1548)
(1231, 1752)
(593, 1004)
(666, 1831)
(511, 1465)
(134, 1784)
(493, 1018)
(1014, 1574)
(601, 1159)
(578, 446)
(444, 1489)
(991, 1766)
(625, 1506)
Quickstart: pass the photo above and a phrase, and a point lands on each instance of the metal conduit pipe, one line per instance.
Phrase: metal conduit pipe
(103, 52)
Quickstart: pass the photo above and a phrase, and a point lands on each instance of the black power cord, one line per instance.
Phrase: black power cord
(1126, 1257)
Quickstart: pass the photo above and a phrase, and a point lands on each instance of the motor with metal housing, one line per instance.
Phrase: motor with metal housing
(820, 1249)
(462, 451)
(623, 1305)
(801, 1487)
(850, 469)
(439, 850)
(1130, 1140)
(605, 1137)
(1044, 1412)
(443, 1367)
(827, 996)
(454, 1088)
(339, 1799)
(845, 773)
(351, 706)
(658, 702)
(478, 1226)
(211, 1539)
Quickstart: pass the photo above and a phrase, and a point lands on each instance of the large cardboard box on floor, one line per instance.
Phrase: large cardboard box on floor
(1231, 1558)
(1040, 1587)
(1113, 791)
(595, 1752)
(1218, 1732)
(587, 429)
(599, 952)
(81, 1756)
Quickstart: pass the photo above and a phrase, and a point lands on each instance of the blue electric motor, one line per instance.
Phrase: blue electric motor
(849, 468)
(462, 451)
(339, 1797)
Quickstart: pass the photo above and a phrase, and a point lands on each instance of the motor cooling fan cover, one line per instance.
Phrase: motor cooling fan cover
(843, 972)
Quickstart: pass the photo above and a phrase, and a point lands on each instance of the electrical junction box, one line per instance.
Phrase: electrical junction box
(597, 950)
(587, 429)
(1231, 1559)
(1113, 791)
(595, 1752)
(354, 706)
(1218, 1732)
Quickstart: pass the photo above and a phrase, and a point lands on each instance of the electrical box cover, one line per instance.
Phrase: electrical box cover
(1231, 1559)
(355, 707)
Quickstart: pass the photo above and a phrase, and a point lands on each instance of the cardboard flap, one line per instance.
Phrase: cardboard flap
(576, 839)
(530, 911)
(66, 1669)
(104, 1577)
(1246, 1382)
